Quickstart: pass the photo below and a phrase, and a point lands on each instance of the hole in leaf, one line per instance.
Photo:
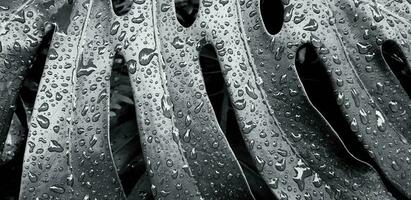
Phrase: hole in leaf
(397, 62)
(121, 7)
(124, 137)
(224, 111)
(186, 11)
(272, 12)
(318, 86)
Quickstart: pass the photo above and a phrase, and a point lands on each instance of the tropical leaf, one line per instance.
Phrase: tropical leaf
(107, 58)
(348, 41)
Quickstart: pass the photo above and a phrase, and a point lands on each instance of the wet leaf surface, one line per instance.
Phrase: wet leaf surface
(348, 42)
(84, 142)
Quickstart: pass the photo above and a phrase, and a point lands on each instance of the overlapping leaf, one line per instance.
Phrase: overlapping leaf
(187, 156)
(347, 36)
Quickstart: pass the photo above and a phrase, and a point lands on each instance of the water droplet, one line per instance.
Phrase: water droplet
(43, 107)
(376, 14)
(32, 177)
(395, 166)
(380, 121)
(178, 43)
(248, 127)
(363, 117)
(311, 26)
(166, 106)
(363, 48)
(132, 66)
(53, 54)
(302, 172)
(145, 56)
(43, 121)
(54, 146)
(393, 106)
(114, 28)
(186, 137)
(57, 189)
(317, 182)
(260, 163)
(138, 19)
(280, 165)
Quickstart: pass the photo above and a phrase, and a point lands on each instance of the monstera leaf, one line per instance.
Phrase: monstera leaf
(268, 52)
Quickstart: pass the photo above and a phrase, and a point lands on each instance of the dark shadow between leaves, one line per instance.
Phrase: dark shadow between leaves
(224, 111)
(272, 13)
(186, 11)
(12, 170)
(121, 7)
(318, 86)
(124, 138)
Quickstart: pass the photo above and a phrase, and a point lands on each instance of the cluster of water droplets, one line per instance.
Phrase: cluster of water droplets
(187, 155)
